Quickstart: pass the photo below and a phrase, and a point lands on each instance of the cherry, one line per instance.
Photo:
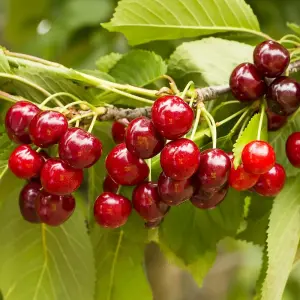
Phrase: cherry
(27, 199)
(118, 130)
(230, 155)
(125, 168)
(180, 159)
(153, 224)
(283, 96)
(270, 58)
(272, 182)
(292, 149)
(174, 192)
(59, 178)
(258, 157)
(213, 170)
(17, 121)
(112, 210)
(146, 201)
(79, 148)
(142, 139)
(275, 121)
(109, 185)
(247, 83)
(25, 163)
(54, 210)
(47, 127)
(240, 180)
(172, 117)
(207, 200)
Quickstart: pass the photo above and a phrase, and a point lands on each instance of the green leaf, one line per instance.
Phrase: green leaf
(106, 62)
(6, 147)
(248, 135)
(283, 240)
(148, 20)
(4, 65)
(295, 27)
(41, 262)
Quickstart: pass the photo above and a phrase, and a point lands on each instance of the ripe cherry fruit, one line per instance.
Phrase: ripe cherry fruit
(275, 121)
(292, 149)
(109, 185)
(118, 130)
(112, 210)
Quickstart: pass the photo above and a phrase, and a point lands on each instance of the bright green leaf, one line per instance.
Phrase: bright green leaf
(4, 65)
(295, 27)
(106, 62)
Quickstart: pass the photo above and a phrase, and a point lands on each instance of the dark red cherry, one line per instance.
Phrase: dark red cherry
(258, 157)
(283, 96)
(240, 180)
(125, 168)
(112, 210)
(172, 117)
(25, 163)
(17, 121)
(118, 130)
(59, 178)
(54, 210)
(153, 224)
(213, 170)
(180, 159)
(79, 148)
(174, 192)
(275, 121)
(142, 139)
(146, 201)
(292, 149)
(246, 83)
(271, 59)
(272, 182)
(27, 200)
(208, 200)
(47, 127)
(109, 185)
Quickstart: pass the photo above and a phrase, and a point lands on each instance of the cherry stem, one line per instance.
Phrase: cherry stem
(48, 99)
(188, 86)
(262, 113)
(224, 104)
(149, 162)
(212, 126)
(196, 123)
(81, 117)
(92, 123)
(237, 124)
(8, 97)
(244, 125)
(289, 36)
(172, 84)
(92, 107)
(231, 117)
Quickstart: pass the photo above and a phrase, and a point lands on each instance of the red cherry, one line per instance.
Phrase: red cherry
(180, 159)
(47, 127)
(79, 148)
(142, 139)
(153, 224)
(172, 117)
(109, 185)
(258, 157)
(54, 210)
(25, 163)
(58, 178)
(230, 155)
(174, 192)
(246, 83)
(271, 58)
(213, 170)
(292, 149)
(275, 121)
(272, 182)
(240, 180)
(17, 121)
(125, 168)
(118, 130)
(27, 199)
(112, 210)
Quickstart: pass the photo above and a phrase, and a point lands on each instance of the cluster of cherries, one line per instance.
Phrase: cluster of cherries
(46, 198)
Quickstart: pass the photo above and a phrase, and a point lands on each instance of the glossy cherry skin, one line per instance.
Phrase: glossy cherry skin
(17, 121)
(59, 178)
(180, 159)
(54, 210)
(272, 182)
(292, 148)
(172, 117)
(246, 83)
(142, 139)
(146, 201)
(118, 130)
(213, 170)
(284, 96)
(125, 168)
(27, 200)
(47, 127)
(79, 148)
(112, 210)
(174, 192)
(209, 200)
(25, 163)
(109, 185)
(271, 59)
(240, 180)
(258, 157)
(275, 121)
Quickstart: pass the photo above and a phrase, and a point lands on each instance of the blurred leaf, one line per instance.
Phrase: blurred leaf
(4, 65)
(6, 147)
(295, 27)
(106, 62)
(99, 74)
